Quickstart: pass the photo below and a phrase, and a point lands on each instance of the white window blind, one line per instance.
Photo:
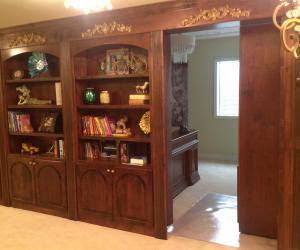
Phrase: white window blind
(227, 88)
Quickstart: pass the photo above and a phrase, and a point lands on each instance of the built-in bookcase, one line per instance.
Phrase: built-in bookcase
(111, 191)
(37, 180)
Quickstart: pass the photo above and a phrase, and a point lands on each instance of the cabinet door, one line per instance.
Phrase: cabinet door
(21, 180)
(133, 197)
(94, 191)
(50, 182)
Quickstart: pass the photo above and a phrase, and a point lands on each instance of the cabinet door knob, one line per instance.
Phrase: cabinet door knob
(33, 163)
(107, 170)
(112, 171)
(30, 163)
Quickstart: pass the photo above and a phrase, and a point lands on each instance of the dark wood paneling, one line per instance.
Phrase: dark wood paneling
(259, 130)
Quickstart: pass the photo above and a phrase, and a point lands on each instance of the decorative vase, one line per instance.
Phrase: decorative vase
(104, 97)
(89, 96)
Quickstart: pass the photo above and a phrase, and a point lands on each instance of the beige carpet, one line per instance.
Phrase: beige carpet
(25, 230)
(216, 177)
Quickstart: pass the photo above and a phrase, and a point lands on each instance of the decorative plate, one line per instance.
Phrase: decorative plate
(145, 123)
(37, 64)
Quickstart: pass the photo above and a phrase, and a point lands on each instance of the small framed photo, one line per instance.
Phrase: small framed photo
(117, 61)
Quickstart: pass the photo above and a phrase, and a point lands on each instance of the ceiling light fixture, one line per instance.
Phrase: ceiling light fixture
(290, 28)
(88, 6)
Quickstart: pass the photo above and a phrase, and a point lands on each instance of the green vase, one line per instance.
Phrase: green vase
(89, 96)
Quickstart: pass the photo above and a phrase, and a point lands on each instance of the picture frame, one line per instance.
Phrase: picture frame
(117, 61)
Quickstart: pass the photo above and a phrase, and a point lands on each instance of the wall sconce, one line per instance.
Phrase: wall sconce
(290, 28)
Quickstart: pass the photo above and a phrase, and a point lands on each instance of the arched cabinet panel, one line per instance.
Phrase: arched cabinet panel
(94, 191)
(21, 181)
(50, 184)
(133, 196)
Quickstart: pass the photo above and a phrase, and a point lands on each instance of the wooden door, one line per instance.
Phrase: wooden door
(50, 182)
(94, 190)
(289, 210)
(133, 202)
(258, 195)
(21, 180)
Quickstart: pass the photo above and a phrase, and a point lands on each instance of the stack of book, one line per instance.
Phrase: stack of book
(91, 151)
(19, 122)
(138, 99)
(59, 150)
(93, 125)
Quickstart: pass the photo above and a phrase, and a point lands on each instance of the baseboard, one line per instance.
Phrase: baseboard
(221, 157)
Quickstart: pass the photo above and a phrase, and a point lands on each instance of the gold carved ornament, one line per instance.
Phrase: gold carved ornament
(214, 14)
(145, 123)
(27, 39)
(106, 28)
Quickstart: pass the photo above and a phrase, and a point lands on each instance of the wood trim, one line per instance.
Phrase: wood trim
(68, 109)
(286, 157)
(160, 133)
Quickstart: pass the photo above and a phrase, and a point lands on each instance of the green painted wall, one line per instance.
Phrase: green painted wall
(218, 137)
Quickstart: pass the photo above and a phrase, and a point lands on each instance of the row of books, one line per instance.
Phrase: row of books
(59, 148)
(19, 122)
(97, 125)
(92, 151)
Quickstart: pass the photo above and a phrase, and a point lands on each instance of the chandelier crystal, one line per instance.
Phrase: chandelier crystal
(88, 6)
(290, 28)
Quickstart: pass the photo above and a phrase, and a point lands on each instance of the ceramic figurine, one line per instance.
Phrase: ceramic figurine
(26, 99)
(143, 89)
(121, 126)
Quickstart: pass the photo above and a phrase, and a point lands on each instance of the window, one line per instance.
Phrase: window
(227, 74)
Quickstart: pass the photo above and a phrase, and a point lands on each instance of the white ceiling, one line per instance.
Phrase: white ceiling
(17, 12)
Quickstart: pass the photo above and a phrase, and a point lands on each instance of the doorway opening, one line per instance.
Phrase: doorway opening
(205, 99)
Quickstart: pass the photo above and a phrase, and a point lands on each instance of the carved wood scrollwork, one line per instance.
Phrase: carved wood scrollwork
(214, 14)
(30, 38)
(106, 28)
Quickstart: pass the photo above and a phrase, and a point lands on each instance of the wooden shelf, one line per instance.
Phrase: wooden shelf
(117, 164)
(125, 139)
(98, 77)
(43, 156)
(37, 134)
(125, 106)
(34, 80)
(49, 107)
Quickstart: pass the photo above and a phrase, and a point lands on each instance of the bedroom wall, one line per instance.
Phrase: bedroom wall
(218, 137)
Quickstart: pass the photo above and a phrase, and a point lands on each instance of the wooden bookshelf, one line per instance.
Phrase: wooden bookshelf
(33, 80)
(99, 77)
(137, 177)
(43, 175)
(120, 107)
(43, 107)
(36, 134)
(45, 156)
(115, 138)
